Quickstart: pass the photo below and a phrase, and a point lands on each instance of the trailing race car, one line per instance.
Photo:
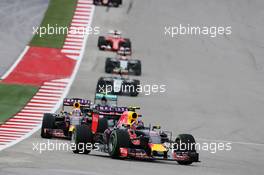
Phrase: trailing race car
(118, 86)
(121, 64)
(125, 136)
(114, 42)
(63, 124)
(114, 3)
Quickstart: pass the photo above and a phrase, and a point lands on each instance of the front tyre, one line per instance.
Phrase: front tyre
(189, 142)
(118, 139)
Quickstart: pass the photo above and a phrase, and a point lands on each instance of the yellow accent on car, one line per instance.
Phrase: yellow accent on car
(158, 148)
(132, 117)
(72, 128)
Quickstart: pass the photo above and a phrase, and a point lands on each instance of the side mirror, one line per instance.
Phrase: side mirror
(156, 127)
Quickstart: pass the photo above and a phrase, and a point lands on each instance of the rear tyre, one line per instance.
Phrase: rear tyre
(189, 142)
(81, 137)
(108, 66)
(138, 68)
(116, 3)
(118, 139)
(47, 123)
(96, 2)
(101, 42)
(125, 44)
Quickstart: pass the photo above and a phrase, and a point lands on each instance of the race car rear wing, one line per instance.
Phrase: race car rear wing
(110, 110)
(71, 101)
(114, 32)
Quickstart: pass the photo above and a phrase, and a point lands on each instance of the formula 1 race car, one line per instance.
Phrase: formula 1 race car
(63, 124)
(118, 86)
(114, 42)
(109, 3)
(125, 136)
(121, 64)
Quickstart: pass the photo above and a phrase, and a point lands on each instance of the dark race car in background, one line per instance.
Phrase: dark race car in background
(109, 3)
(123, 135)
(63, 124)
(114, 42)
(118, 86)
(122, 64)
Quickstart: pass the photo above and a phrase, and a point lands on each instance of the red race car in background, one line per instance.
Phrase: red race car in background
(114, 42)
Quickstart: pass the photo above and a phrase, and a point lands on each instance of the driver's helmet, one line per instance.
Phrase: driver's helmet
(103, 101)
(133, 119)
(76, 113)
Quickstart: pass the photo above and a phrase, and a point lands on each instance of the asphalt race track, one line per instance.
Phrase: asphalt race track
(214, 88)
(17, 20)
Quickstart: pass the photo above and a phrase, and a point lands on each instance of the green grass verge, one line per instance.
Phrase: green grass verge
(13, 98)
(59, 15)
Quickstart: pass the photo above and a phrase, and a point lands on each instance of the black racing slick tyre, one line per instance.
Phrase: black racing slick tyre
(116, 3)
(101, 41)
(186, 143)
(118, 139)
(108, 66)
(81, 137)
(125, 44)
(96, 2)
(138, 68)
(47, 123)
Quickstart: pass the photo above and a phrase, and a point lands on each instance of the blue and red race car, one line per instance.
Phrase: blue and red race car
(121, 133)
(63, 124)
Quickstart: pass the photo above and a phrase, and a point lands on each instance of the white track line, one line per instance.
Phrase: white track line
(29, 114)
(33, 110)
(27, 117)
(45, 98)
(72, 43)
(48, 95)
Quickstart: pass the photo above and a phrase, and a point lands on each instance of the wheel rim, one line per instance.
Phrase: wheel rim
(112, 143)
(73, 137)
